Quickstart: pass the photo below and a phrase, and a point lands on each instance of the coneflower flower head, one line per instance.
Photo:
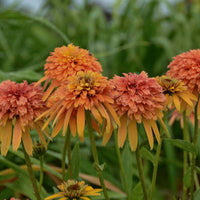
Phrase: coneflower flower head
(176, 94)
(84, 91)
(137, 99)
(75, 190)
(186, 67)
(65, 62)
(20, 105)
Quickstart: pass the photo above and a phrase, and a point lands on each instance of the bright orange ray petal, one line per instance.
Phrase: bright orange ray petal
(58, 115)
(17, 135)
(27, 141)
(41, 135)
(176, 102)
(81, 123)
(48, 92)
(122, 131)
(112, 112)
(155, 130)
(58, 126)
(106, 139)
(132, 134)
(149, 133)
(72, 124)
(66, 121)
(6, 137)
(96, 115)
(40, 81)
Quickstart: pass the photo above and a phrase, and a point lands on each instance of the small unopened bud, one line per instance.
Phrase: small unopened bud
(38, 150)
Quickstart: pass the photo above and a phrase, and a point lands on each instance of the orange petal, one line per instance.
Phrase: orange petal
(176, 102)
(107, 137)
(106, 116)
(81, 122)
(113, 113)
(58, 115)
(41, 135)
(40, 81)
(48, 92)
(72, 124)
(6, 137)
(155, 130)
(164, 126)
(27, 141)
(132, 134)
(58, 126)
(95, 126)
(66, 121)
(148, 130)
(17, 135)
(122, 131)
(96, 115)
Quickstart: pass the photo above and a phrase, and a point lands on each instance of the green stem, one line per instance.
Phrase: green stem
(185, 160)
(67, 145)
(155, 169)
(31, 174)
(141, 173)
(95, 154)
(195, 138)
(41, 172)
(121, 165)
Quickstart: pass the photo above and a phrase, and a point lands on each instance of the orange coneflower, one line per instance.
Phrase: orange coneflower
(186, 67)
(65, 62)
(138, 99)
(20, 105)
(75, 190)
(176, 94)
(84, 91)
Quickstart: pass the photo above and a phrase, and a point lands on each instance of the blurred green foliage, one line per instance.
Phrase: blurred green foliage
(132, 36)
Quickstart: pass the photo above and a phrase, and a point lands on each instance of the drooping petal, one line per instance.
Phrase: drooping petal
(6, 137)
(122, 131)
(27, 141)
(186, 99)
(58, 126)
(107, 137)
(17, 135)
(48, 92)
(95, 126)
(164, 126)
(66, 121)
(132, 134)
(155, 130)
(176, 102)
(58, 115)
(81, 122)
(148, 130)
(96, 115)
(41, 135)
(72, 124)
(113, 113)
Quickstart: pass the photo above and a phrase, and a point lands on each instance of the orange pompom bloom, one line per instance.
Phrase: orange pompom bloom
(137, 99)
(20, 105)
(84, 91)
(65, 62)
(186, 67)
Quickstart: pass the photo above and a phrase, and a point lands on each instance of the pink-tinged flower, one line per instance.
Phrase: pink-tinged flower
(137, 99)
(65, 62)
(85, 91)
(20, 105)
(186, 67)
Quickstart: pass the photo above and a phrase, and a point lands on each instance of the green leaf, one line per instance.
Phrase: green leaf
(147, 155)
(137, 192)
(197, 194)
(187, 178)
(182, 144)
(75, 161)
(127, 161)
